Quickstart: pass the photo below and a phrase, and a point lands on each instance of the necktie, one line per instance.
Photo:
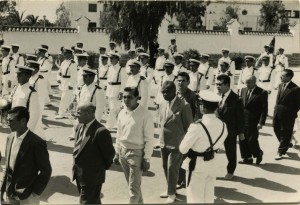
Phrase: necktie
(79, 141)
(282, 89)
(221, 102)
(248, 95)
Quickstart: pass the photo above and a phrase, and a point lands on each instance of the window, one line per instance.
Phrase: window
(288, 13)
(295, 14)
(92, 24)
(92, 7)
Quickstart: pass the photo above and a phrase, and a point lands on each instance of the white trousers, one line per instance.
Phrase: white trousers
(65, 101)
(114, 108)
(201, 188)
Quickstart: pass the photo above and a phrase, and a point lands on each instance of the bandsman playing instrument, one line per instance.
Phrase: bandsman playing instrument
(67, 78)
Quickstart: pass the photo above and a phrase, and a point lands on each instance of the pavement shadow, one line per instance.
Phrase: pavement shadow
(148, 174)
(293, 156)
(52, 108)
(279, 168)
(116, 168)
(59, 148)
(59, 184)
(180, 199)
(55, 123)
(156, 153)
(265, 184)
(265, 134)
(297, 147)
(232, 194)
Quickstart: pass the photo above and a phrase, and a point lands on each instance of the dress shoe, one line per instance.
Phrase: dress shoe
(228, 176)
(164, 195)
(171, 199)
(278, 156)
(246, 161)
(259, 157)
(180, 186)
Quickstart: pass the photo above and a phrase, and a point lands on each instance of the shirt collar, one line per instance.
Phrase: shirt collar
(21, 137)
(132, 111)
(89, 124)
(227, 93)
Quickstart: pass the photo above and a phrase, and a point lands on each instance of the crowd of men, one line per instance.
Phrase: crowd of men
(199, 108)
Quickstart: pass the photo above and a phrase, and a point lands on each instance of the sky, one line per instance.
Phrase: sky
(39, 8)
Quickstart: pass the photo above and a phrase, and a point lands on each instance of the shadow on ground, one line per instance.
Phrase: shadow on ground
(265, 184)
(59, 148)
(279, 168)
(47, 122)
(232, 194)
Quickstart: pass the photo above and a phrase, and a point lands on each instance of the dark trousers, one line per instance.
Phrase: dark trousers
(283, 129)
(250, 146)
(171, 159)
(230, 149)
(89, 194)
(181, 177)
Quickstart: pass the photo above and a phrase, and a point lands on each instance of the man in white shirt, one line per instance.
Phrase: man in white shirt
(159, 64)
(16, 55)
(102, 51)
(265, 80)
(148, 73)
(134, 142)
(225, 57)
(281, 63)
(8, 71)
(246, 72)
(195, 76)
(206, 72)
(102, 71)
(131, 54)
(178, 57)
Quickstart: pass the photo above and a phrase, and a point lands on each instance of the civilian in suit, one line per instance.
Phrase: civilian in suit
(93, 154)
(285, 112)
(255, 101)
(28, 168)
(176, 117)
(231, 112)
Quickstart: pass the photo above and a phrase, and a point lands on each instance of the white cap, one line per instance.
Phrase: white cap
(87, 71)
(178, 55)
(113, 54)
(169, 63)
(112, 42)
(209, 96)
(249, 57)
(144, 55)
(135, 62)
(33, 64)
(5, 47)
(15, 45)
(225, 49)
(67, 49)
(140, 49)
(131, 50)
(160, 48)
(224, 62)
(204, 55)
(22, 68)
(42, 49)
(82, 55)
(194, 61)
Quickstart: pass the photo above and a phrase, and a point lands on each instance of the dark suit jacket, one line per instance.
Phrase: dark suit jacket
(176, 124)
(191, 98)
(232, 114)
(256, 109)
(32, 169)
(95, 155)
(288, 103)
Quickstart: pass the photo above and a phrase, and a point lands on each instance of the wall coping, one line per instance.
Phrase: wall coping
(265, 33)
(39, 29)
(99, 29)
(198, 31)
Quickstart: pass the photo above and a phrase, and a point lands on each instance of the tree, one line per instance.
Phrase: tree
(273, 16)
(191, 13)
(31, 20)
(15, 18)
(139, 21)
(63, 16)
(6, 7)
(230, 12)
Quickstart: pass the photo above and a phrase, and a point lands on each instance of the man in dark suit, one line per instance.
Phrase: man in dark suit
(231, 112)
(28, 168)
(255, 101)
(285, 112)
(176, 117)
(93, 154)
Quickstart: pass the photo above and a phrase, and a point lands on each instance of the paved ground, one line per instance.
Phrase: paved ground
(272, 181)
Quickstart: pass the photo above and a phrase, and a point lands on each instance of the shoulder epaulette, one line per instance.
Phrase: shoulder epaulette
(41, 77)
(98, 87)
(32, 89)
(143, 78)
(72, 61)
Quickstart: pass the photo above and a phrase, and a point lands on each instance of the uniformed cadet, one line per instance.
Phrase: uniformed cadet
(281, 63)
(16, 55)
(77, 51)
(159, 65)
(225, 57)
(112, 47)
(138, 81)
(91, 92)
(266, 52)
(25, 95)
(206, 72)
(148, 73)
(194, 75)
(116, 79)
(102, 71)
(138, 51)
(67, 79)
(178, 57)
(49, 57)
(38, 82)
(201, 174)
(31, 57)
(223, 71)
(102, 51)
(246, 72)
(82, 63)
(8, 72)
(45, 71)
(264, 74)
(131, 54)
(173, 47)
(168, 76)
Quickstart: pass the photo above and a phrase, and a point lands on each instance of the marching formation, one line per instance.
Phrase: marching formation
(198, 109)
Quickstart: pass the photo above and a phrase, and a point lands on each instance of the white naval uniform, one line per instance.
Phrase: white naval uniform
(38, 82)
(262, 55)
(230, 62)
(194, 84)
(244, 75)
(127, 67)
(217, 73)
(159, 67)
(94, 94)
(265, 80)
(206, 72)
(179, 68)
(116, 80)
(8, 74)
(139, 82)
(102, 76)
(20, 97)
(281, 63)
(18, 58)
(159, 97)
(45, 71)
(203, 178)
(148, 73)
(68, 77)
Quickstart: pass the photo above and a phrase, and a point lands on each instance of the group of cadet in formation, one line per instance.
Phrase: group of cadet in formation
(199, 109)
